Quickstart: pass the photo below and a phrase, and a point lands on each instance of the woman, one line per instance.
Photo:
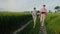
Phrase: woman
(43, 12)
(34, 16)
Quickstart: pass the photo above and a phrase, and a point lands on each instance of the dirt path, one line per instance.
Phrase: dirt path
(18, 30)
(43, 30)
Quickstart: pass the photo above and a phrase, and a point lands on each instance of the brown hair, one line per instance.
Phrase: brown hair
(34, 8)
(44, 5)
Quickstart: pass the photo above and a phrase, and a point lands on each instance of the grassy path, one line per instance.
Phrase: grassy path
(29, 29)
(20, 29)
(43, 30)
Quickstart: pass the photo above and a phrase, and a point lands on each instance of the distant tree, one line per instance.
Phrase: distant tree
(49, 11)
(57, 8)
(55, 11)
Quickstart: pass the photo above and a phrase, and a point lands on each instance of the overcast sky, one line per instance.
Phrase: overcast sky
(27, 5)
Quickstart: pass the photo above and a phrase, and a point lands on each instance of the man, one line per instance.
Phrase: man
(34, 16)
(43, 12)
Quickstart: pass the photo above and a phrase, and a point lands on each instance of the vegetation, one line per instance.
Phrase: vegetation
(29, 29)
(11, 21)
(52, 23)
(57, 8)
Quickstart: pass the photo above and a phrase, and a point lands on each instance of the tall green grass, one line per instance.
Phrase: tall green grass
(52, 22)
(11, 21)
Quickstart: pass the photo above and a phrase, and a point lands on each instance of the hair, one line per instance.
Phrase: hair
(34, 7)
(44, 5)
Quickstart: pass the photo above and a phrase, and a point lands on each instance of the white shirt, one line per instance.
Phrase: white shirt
(34, 12)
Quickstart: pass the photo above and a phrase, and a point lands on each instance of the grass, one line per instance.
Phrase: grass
(11, 21)
(13, 13)
(52, 23)
(29, 29)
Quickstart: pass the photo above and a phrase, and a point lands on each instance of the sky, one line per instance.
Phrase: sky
(27, 5)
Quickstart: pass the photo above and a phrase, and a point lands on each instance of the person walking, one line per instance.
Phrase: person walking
(43, 12)
(34, 15)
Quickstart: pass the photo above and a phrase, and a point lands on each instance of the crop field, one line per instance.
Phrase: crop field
(52, 23)
(11, 21)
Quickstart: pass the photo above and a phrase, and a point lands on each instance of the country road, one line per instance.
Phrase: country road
(43, 30)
